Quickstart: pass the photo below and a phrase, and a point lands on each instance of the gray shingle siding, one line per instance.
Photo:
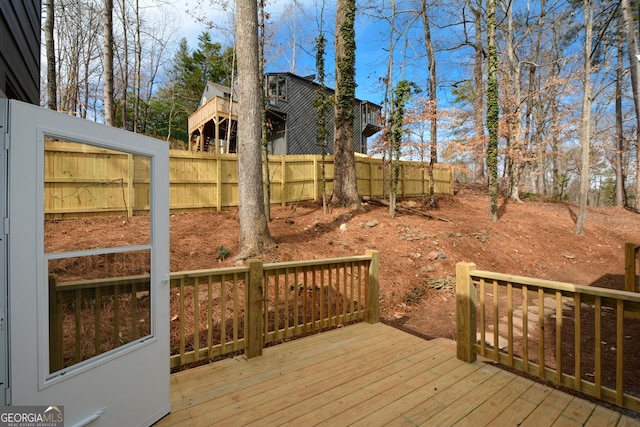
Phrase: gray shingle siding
(300, 117)
(20, 49)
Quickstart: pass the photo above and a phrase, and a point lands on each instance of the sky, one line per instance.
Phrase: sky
(371, 39)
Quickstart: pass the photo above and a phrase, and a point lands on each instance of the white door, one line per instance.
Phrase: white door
(88, 323)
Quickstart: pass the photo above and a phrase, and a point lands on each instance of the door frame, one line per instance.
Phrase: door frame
(4, 275)
(129, 385)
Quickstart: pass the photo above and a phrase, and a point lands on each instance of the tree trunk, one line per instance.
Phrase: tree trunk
(433, 136)
(124, 69)
(585, 125)
(263, 115)
(138, 70)
(492, 110)
(52, 88)
(620, 199)
(632, 48)
(345, 185)
(108, 62)
(254, 231)
(478, 100)
(515, 151)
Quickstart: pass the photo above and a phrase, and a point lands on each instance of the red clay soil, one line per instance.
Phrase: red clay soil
(417, 254)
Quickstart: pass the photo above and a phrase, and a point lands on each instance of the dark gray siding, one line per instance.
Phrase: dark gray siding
(20, 49)
(301, 119)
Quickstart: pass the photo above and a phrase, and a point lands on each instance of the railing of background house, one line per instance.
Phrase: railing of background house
(220, 311)
(486, 299)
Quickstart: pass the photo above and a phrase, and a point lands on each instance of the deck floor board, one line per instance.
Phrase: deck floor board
(370, 375)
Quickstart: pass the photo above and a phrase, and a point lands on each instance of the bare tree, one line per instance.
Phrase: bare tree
(433, 136)
(585, 124)
(492, 110)
(254, 230)
(478, 99)
(345, 185)
(620, 199)
(52, 89)
(107, 19)
(634, 67)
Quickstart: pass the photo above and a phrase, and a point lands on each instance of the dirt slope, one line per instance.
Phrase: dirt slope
(418, 255)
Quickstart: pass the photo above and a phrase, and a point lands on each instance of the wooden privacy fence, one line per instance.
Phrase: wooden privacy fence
(631, 264)
(575, 336)
(215, 312)
(94, 181)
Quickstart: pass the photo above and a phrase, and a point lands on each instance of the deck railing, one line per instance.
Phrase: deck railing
(219, 311)
(572, 335)
(631, 265)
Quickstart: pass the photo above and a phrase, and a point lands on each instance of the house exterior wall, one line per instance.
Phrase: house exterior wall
(20, 50)
(297, 111)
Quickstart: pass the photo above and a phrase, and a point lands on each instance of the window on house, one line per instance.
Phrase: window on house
(276, 88)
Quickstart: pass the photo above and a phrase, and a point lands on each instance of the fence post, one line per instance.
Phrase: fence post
(254, 317)
(372, 297)
(56, 355)
(219, 202)
(630, 267)
(465, 312)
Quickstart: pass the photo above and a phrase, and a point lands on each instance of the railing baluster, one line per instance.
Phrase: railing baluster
(322, 302)
(598, 348)
(510, 322)
(265, 305)
(182, 321)
(496, 321)
(296, 302)
(78, 324)
(525, 328)
(196, 317)
(236, 312)
(345, 270)
(134, 311)
(209, 316)
(97, 308)
(483, 320)
(558, 337)
(620, 352)
(286, 303)
(223, 313)
(577, 334)
(116, 315)
(276, 304)
(541, 361)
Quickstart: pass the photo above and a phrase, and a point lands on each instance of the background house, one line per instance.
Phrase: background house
(291, 118)
(213, 126)
(20, 50)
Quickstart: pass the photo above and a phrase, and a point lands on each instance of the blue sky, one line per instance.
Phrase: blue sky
(372, 37)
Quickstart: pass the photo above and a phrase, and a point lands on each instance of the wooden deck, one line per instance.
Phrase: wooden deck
(370, 375)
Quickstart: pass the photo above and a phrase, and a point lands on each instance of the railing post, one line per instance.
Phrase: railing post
(630, 267)
(254, 317)
(56, 355)
(372, 297)
(465, 312)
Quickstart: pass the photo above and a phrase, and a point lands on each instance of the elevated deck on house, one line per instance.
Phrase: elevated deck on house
(371, 375)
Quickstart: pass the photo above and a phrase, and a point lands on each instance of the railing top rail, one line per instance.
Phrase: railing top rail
(558, 286)
(102, 283)
(293, 264)
(208, 272)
